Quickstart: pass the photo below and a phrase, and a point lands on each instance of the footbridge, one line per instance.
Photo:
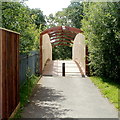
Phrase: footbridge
(71, 96)
(67, 36)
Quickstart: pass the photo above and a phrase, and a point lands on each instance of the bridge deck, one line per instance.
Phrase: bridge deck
(54, 68)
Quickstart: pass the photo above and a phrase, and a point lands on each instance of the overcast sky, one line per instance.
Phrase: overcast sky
(48, 6)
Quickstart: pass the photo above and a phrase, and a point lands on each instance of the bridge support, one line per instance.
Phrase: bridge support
(45, 50)
(79, 52)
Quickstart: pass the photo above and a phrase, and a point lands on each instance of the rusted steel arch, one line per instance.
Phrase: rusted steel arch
(52, 30)
(61, 38)
(62, 41)
(61, 28)
(60, 44)
(61, 32)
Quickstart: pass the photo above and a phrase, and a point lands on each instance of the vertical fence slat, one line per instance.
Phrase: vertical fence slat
(13, 71)
(17, 69)
(0, 74)
(4, 94)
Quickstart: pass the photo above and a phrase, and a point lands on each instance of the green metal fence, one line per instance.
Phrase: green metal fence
(29, 65)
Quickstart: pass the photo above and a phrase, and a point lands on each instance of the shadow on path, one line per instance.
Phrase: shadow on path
(68, 97)
(45, 103)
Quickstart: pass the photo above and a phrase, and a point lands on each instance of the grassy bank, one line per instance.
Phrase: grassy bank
(25, 92)
(108, 88)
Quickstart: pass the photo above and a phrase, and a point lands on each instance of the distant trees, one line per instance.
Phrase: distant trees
(28, 22)
(101, 26)
(38, 18)
(70, 16)
(62, 52)
(74, 14)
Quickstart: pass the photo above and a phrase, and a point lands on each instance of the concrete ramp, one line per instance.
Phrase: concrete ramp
(54, 68)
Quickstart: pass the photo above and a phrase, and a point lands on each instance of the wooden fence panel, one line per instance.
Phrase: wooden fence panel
(9, 72)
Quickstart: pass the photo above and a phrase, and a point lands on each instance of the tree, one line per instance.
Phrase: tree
(102, 29)
(38, 18)
(62, 52)
(74, 13)
(17, 17)
(61, 18)
(70, 16)
(51, 21)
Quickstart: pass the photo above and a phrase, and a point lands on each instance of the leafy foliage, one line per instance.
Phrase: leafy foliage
(51, 21)
(75, 14)
(18, 17)
(25, 92)
(62, 52)
(102, 29)
(38, 18)
(70, 16)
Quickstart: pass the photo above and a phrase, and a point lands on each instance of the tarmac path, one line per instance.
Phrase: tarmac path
(72, 96)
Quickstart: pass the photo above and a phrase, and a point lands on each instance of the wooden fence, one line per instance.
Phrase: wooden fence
(9, 72)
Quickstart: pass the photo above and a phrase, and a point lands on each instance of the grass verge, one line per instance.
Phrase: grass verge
(108, 88)
(25, 92)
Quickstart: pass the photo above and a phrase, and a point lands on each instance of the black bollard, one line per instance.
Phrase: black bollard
(63, 69)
